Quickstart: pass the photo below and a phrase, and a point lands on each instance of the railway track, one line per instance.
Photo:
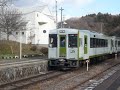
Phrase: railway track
(77, 78)
(110, 69)
(53, 75)
(17, 85)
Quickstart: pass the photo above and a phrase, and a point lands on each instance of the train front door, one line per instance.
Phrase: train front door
(62, 46)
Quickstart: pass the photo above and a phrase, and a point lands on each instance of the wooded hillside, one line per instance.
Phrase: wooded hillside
(107, 23)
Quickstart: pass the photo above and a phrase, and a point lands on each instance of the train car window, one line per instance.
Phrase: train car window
(53, 40)
(94, 42)
(118, 43)
(112, 43)
(99, 43)
(115, 43)
(106, 43)
(103, 43)
(91, 43)
(72, 40)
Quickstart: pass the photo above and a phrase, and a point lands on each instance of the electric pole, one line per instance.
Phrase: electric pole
(56, 14)
(61, 17)
(101, 27)
(63, 21)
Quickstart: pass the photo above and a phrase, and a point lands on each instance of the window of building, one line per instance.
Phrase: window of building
(44, 31)
(22, 33)
(37, 15)
(42, 23)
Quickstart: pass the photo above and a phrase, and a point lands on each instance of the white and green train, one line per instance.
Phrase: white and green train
(72, 47)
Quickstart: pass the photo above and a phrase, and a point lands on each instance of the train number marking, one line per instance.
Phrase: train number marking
(72, 51)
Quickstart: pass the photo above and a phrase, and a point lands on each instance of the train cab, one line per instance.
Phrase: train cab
(63, 46)
(67, 47)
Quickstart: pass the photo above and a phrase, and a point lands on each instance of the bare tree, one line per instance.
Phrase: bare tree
(10, 18)
(5, 2)
(31, 37)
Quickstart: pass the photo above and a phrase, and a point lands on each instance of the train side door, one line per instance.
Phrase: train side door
(85, 44)
(62, 48)
(112, 45)
(86, 56)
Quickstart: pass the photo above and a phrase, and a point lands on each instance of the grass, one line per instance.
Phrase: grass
(12, 48)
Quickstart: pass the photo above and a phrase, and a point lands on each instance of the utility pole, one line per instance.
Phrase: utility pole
(61, 17)
(101, 27)
(56, 14)
(20, 45)
(0, 35)
(63, 21)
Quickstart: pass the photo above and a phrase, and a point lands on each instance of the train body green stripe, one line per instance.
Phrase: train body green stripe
(93, 56)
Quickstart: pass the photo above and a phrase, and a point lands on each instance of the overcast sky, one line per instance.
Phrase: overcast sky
(76, 8)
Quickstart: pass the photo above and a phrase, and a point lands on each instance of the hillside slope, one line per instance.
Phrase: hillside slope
(13, 48)
(107, 23)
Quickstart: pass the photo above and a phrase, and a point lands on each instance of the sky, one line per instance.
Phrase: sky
(76, 8)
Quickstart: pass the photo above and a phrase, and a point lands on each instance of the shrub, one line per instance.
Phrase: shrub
(33, 48)
(44, 50)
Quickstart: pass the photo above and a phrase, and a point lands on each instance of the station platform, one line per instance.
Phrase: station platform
(12, 70)
(112, 83)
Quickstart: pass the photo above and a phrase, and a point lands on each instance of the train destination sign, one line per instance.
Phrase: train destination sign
(62, 31)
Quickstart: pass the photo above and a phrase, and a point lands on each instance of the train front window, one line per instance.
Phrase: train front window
(72, 40)
(53, 40)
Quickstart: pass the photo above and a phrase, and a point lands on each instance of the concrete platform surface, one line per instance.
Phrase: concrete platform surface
(112, 83)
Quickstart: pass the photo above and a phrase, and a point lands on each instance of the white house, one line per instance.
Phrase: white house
(38, 23)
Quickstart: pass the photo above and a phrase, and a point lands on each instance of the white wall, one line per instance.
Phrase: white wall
(34, 29)
(42, 37)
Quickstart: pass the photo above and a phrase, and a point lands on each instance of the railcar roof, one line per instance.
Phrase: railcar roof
(72, 30)
(91, 32)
